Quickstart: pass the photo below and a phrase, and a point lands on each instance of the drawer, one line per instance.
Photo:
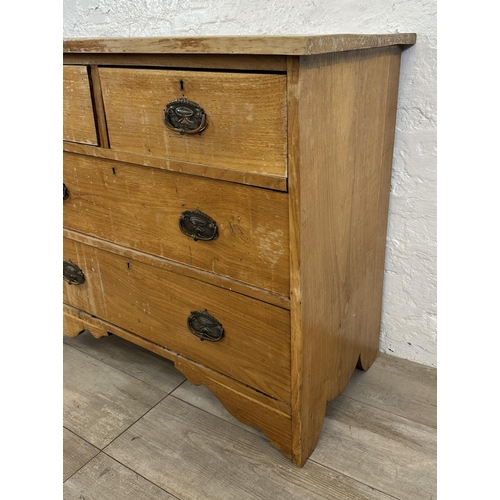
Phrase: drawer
(156, 304)
(245, 116)
(141, 207)
(78, 113)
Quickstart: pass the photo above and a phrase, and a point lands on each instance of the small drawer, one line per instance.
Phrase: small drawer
(174, 311)
(229, 120)
(232, 230)
(78, 113)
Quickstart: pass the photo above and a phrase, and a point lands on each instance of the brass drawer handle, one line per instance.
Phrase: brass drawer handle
(198, 226)
(65, 192)
(205, 326)
(185, 117)
(72, 273)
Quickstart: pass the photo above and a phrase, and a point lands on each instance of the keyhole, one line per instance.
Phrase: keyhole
(181, 82)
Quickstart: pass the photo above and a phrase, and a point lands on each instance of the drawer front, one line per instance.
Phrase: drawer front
(245, 116)
(141, 207)
(78, 113)
(156, 304)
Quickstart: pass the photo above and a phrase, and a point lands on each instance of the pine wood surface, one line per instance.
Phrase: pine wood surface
(246, 116)
(251, 407)
(155, 304)
(181, 363)
(224, 460)
(176, 267)
(140, 207)
(259, 179)
(197, 61)
(339, 187)
(325, 135)
(78, 114)
(268, 45)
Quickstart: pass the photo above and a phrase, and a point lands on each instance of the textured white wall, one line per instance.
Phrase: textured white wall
(409, 307)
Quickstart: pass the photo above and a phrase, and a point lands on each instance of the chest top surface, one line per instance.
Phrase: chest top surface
(256, 45)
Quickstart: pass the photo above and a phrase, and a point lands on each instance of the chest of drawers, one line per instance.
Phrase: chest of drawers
(225, 206)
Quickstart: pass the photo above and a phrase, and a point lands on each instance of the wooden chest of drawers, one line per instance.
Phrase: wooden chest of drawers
(225, 206)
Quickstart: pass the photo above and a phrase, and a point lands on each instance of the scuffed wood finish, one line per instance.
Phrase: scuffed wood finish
(155, 304)
(258, 179)
(191, 272)
(246, 116)
(268, 45)
(78, 123)
(249, 406)
(339, 187)
(73, 326)
(140, 208)
(295, 276)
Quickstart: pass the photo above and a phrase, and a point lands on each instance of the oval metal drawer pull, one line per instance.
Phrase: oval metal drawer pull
(185, 117)
(65, 192)
(72, 273)
(198, 226)
(205, 326)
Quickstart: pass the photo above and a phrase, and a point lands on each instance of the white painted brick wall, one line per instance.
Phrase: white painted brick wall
(409, 307)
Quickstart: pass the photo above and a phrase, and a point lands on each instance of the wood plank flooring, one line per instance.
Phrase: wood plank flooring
(135, 429)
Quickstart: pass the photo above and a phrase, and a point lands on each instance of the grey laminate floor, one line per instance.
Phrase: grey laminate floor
(136, 429)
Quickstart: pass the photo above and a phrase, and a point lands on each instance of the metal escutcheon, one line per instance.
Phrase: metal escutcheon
(205, 326)
(185, 117)
(198, 226)
(72, 273)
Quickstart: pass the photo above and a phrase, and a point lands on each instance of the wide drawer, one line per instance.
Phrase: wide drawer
(245, 116)
(141, 207)
(78, 114)
(156, 304)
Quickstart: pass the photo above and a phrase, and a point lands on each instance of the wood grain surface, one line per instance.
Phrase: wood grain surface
(155, 304)
(339, 187)
(259, 179)
(196, 61)
(176, 267)
(78, 114)
(278, 44)
(246, 116)
(140, 207)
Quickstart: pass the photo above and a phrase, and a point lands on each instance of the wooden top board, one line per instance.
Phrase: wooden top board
(258, 45)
